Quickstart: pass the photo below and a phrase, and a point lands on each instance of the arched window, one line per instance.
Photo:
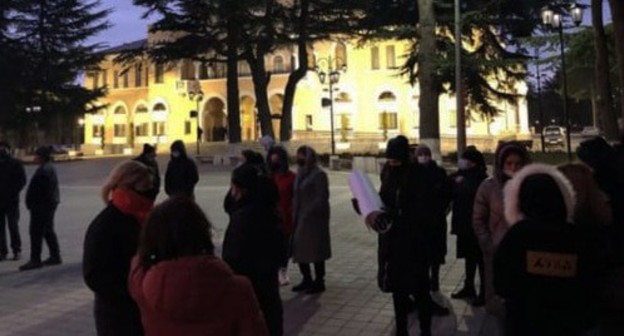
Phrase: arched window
(388, 114)
(141, 109)
(120, 110)
(340, 53)
(160, 107)
(278, 64)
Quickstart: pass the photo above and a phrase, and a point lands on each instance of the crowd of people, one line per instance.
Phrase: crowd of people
(547, 242)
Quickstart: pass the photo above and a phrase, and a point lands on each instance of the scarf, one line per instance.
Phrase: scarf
(131, 203)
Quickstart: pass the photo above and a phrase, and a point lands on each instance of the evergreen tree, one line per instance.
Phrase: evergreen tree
(51, 37)
(492, 54)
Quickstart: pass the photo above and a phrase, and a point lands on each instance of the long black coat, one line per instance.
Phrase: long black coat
(43, 190)
(253, 246)
(438, 190)
(110, 243)
(181, 177)
(465, 184)
(153, 167)
(12, 180)
(402, 253)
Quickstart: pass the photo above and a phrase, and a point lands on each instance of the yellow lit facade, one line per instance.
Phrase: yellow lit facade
(149, 103)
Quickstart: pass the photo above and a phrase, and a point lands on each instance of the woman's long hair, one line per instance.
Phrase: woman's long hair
(175, 228)
(128, 174)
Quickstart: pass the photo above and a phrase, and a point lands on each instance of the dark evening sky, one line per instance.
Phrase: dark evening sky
(128, 25)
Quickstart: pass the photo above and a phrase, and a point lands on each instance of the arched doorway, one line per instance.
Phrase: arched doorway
(248, 118)
(276, 102)
(214, 120)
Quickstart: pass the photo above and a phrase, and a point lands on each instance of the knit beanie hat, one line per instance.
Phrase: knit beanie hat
(473, 155)
(44, 152)
(397, 149)
(245, 177)
(148, 149)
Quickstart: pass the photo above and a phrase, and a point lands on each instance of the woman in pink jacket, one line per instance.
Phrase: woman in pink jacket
(181, 287)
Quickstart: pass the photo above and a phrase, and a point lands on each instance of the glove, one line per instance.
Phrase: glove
(356, 206)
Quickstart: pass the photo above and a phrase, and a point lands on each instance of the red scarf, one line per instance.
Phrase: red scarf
(133, 204)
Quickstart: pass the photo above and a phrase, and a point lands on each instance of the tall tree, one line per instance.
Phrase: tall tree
(52, 36)
(617, 12)
(308, 21)
(206, 32)
(492, 56)
(605, 109)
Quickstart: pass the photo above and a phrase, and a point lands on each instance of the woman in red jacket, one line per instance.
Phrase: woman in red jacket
(284, 180)
(181, 287)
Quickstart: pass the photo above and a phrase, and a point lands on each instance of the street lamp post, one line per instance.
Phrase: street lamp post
(196, 94)
(539, 100)
(34, 110)
(334, 77)
(553, 16)
(81, 123)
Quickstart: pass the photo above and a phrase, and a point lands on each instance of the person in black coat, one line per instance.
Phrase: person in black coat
(542, 267)
(253, 243)
(148, 158)
(436, 204)
(181, 175)
(42, 199)
(109, 245)
(402, 252)
(472, 171)
(12, 180)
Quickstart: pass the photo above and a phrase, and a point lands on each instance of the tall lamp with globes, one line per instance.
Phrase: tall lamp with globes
(553, 16)
(332, 71)
(196, 94)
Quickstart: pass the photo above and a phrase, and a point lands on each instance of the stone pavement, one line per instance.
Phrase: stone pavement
(54, 300)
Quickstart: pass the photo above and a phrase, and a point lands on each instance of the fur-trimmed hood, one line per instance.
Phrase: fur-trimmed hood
(513, 212)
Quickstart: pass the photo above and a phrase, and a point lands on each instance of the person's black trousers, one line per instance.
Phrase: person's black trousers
(402, 304)
(42, 227)
(9, 214)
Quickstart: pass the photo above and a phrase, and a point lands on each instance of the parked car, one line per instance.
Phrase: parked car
(590, 131)
(554, 137)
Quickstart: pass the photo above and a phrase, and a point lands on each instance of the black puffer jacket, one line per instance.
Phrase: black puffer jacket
(543, 267)
(438, 189)
(181, 176)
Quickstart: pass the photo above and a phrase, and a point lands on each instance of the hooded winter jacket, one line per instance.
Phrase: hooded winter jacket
(197, 295)
(543, 267)
(181, 175)
(488, 220)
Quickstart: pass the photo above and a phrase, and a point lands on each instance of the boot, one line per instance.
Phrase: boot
(303, 286)
(52, 261)
(465, 293)
(31, 265)
(438, 310)
(479, 301)
(318, 286)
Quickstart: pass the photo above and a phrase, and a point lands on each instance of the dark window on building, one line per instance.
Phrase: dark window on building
(187, 127)
(390, 57)
(116, 79)
(159, 73)
(138, 75)
(126, 81)
(96, 80)
(104, 77)
(375, 58)
(142, 129)
(158, 128)
(309, 122)
(120, 130)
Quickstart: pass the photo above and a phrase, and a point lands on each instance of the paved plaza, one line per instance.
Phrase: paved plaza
(55, 301)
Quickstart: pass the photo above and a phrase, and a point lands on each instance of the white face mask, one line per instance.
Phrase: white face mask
(175, 154)
(424, 159)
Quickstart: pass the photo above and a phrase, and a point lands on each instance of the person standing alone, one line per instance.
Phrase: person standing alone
(181, 176)
(12, 180)
(42, 199)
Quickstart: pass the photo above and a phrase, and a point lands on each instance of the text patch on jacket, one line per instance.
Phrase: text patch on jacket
(551, 264)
